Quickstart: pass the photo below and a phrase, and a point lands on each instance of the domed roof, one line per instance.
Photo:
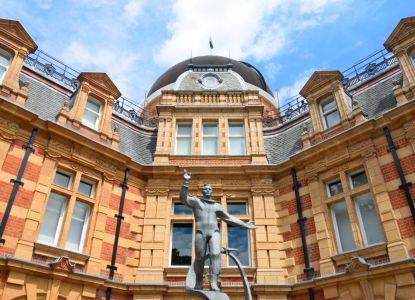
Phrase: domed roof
(248, 72)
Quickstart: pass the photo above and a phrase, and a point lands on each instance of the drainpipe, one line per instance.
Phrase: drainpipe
(17, 182)
(119, 217)
(404, 184)
(308, 271)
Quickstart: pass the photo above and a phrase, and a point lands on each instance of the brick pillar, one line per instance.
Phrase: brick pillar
(321, 221)
(24, 248)
(396, 247)
(154, 243)
(268, 238)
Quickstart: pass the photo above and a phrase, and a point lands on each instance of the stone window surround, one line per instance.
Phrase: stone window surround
(72, 195)
(347, 196)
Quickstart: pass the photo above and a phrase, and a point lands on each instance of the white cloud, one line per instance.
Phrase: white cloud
(253, 28)
(44, 4)
(132, 9)
(286, 92)
(118, 65)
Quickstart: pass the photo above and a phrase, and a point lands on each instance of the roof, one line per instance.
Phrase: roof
(249, 73)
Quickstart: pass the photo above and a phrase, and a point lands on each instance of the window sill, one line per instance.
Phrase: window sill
(181, 271)
(368, 252)
(54, 252)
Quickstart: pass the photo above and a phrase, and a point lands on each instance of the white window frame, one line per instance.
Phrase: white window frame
(98, 120)
(329, 195)
(84, 228)
(171, 242)
(65, 173)
(210, 137)
(336, 228)
(236, 137)
(323, 114)
(60, 223)
(5, 54)
(183, 137)
(92, 189)
(354, 173)
(249, 248)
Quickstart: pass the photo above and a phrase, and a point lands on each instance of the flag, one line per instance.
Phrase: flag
(210, 43)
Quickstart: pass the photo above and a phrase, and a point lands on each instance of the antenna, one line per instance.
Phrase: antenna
(191, 56)
(210, 45)
(229, 55)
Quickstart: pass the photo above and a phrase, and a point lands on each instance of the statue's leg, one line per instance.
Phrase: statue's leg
(215, 260)
(200, 251)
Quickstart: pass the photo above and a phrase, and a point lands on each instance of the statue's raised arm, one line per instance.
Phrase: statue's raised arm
(184, 198)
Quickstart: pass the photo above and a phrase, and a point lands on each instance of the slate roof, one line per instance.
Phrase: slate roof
(374, 101)
(46, 102)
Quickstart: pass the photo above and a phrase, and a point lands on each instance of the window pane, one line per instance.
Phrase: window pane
(184, 146)
(369, 218)
(327, 106)
(344, 230)
(90, 119)
(181, 209)
(210, 146)
(52, 219)
(184, 130)
(238, 239)
(237, 208)
(93, 106)
(237, 146)
(358, 179)
(4, 59)
(236, 130)
(335, 188)
(332, 119)
(2, 71)
(78, 226)
(85, 188)
(62, 179)
(210, 129)
(181, 245)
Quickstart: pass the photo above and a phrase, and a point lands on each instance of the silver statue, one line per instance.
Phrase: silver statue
(206, 211)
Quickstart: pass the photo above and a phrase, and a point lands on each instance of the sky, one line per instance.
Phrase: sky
(136, 41)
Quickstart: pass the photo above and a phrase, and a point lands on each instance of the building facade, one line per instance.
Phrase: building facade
(327, 178)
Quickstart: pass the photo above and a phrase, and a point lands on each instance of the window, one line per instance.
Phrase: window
(181, 209)
(86, 188)
(236, 139)
(63, 198)
(92, 113)
(334, 188)
(5, 59)
(358, 200)
(184, 139)
(238, 237)
(210, 139)
(329, 113)
(181, 244)
(413, 57)
(237, 208)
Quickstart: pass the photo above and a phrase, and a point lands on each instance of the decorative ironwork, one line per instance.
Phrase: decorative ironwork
(293, 108)
(135, 113)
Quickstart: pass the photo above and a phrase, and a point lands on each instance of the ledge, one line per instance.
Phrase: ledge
(368, 252)
(54, 252)
(181, 272)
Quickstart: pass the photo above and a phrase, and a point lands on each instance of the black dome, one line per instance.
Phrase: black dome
(249, 73)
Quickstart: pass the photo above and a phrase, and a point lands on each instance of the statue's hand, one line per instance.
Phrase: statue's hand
(186, 176)
(250, 225)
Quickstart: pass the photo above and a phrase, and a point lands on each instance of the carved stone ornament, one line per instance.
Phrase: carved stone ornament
(360, 146)
(9, 125)
(157, 191)
(106, 165)
(260, 191)
(62, 264)
(60, 147)
(357, 265)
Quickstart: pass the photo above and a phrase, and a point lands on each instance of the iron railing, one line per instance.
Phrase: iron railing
(294, 107)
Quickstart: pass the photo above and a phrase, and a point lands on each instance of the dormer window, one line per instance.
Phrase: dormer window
(5, 59)
(92, 113)
(329, 113)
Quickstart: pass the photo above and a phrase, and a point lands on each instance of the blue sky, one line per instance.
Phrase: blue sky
(135, 41)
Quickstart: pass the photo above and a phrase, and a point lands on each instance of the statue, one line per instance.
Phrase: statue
(206, 211)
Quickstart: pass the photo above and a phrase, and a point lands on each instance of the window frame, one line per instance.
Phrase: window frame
(188, 222)
(217, 152)
(412, 57)
(350, 182)
(84, 228)
(9, 57)
(336, 228)
(98, 120)
(92, 183)
(242, 137)
(324, 114)
(180, 137)
(329, 195)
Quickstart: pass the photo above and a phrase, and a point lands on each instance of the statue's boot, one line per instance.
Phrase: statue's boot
(199, 283)
(214, 282)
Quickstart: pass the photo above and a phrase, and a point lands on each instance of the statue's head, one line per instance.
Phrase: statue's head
(207, 190)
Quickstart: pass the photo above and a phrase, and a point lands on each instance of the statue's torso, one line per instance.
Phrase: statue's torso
(206, 216)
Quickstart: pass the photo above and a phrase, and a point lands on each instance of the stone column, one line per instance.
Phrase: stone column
(77, 111)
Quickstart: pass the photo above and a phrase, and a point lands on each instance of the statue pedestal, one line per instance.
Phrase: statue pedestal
(209, 295)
